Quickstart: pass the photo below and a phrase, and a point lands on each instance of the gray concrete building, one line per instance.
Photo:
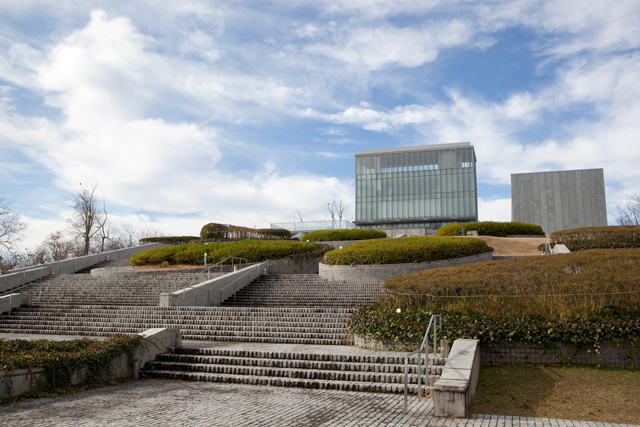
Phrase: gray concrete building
(559, 200)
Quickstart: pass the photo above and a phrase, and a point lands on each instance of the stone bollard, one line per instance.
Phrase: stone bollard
(136, 370)
(178, 339)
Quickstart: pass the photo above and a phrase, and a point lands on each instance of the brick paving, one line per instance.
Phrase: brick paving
(154, 402)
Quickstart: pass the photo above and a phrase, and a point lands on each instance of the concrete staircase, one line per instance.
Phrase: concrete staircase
(303, 290)
(330, 371)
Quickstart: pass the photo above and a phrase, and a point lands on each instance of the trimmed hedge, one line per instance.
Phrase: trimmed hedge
(610, 237)
(406, 249)
(336, 235)
(382, 321)
(214, 231)
(170, 240)
(252, 250)
(559, 286)
(490, 228)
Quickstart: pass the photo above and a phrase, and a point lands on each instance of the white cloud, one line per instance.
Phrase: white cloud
(494, 209)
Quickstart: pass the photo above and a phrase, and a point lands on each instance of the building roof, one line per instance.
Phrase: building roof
(417, 148)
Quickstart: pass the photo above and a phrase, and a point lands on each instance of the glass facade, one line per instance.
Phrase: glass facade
(416, 187)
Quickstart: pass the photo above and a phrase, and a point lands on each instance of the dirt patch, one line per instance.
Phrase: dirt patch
(510, 246)
(573, 393)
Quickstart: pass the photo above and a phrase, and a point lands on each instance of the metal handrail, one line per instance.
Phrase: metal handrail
(13, 291)
(207, 270)
(184, 290)
(425, 345)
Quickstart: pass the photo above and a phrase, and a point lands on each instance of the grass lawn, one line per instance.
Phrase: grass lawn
(572, 393)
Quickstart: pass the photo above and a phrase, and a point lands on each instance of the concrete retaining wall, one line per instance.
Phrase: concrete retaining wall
(379, 273)
(21, 276)
(620, 355)
(15, 383)
(9, 302)
(295, 266)
(336, 244)
(213, 292)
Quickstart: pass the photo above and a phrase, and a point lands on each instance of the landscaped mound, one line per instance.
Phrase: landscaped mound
(490, 228)
(61, 359)
(579, 239)
(406, 249)
(336, 235)
(556, 286)
(252, 250)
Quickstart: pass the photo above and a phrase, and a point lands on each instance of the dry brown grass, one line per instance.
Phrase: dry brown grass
(574, 393)
(513, 246)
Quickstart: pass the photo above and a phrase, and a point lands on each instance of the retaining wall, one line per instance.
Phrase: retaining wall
(307, 265)
(380, 273)
(624, 354)
(15, 383)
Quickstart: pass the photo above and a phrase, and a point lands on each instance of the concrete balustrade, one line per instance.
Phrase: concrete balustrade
(21, 276)
(213, 292)
(9, 302)
(453, 392)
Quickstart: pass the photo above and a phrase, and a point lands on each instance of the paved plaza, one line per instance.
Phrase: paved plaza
(154, 402)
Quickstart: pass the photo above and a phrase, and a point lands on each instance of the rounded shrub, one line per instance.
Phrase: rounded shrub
(491, 228)
(610, 237)
(337, 235)
(252, 250)
(405, 250)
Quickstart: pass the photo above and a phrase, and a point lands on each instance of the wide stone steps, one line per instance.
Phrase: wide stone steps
(268, 325)
(382, 374)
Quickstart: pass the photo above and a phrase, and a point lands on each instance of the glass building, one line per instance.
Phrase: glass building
(416, 187)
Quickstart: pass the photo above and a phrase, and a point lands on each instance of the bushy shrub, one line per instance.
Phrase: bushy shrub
(213, 231)
(336, 235)
(406, 249)
(170, 240)
(491, 228)
(558, 286)
(382, 321)
(252, 250)
(579, 239)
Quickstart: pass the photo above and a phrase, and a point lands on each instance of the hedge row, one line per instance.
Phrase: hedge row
(579, 239)
(576, 284)
(406, 249)
(214, 231)
(252, 250)
(170, 240)
(490, 228)
(382, 321)
(336, 235)
(61, 359)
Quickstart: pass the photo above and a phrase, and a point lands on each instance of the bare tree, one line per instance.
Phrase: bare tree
(88, 216)
(630, 214)
(336, 208)
(11, 227)
(104, 226)
(297, 216)
(55, 248)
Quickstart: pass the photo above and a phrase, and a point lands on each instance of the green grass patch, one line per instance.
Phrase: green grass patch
(558, 286)
(574, 393)
(491, 228)
(252, 250)
(337, 235)
(61, 359)
(610, 237)
(405, 250)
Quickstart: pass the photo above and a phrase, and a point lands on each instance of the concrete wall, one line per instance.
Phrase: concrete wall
(559, 200)
(213, 292)
(623, 354)
(380, 273)
(308, 265)
(11, 301)
(21, 276)
(14, 383)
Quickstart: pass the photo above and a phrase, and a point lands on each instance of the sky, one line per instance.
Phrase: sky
(244, 112)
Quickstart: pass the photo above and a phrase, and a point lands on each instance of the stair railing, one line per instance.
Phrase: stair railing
(13, 291)
(435, 322)
(206, 270)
